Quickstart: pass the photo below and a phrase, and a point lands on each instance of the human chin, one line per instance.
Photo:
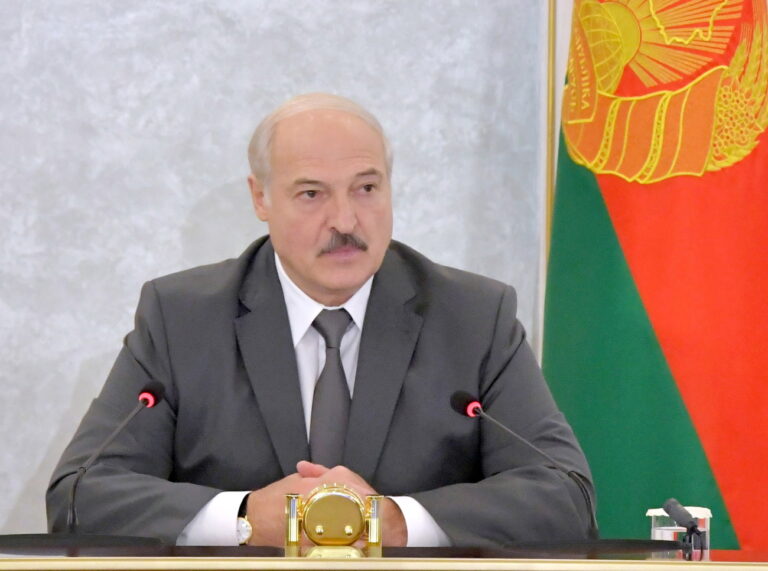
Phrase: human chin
(345, 279)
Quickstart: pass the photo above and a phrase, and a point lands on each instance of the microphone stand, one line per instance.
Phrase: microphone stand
(72, 510)
(692, 536)
(572, 474)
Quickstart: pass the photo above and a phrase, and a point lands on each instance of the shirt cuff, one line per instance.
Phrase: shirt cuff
(215, 523)
(423, 530)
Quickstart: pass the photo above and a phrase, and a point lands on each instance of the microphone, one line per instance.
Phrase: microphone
(467, 405)
(683, 518)
(152, 394)
(464, 403)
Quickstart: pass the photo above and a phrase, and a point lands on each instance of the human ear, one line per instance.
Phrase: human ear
(259, 198)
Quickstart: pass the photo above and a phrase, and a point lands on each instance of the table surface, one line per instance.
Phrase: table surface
(596, 556)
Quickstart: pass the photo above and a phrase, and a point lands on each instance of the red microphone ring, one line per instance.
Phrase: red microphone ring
(148, 399)
(473, 408)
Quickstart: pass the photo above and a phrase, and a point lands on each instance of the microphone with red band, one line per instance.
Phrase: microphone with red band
(152, 394)
(467, 405)
(464, 403)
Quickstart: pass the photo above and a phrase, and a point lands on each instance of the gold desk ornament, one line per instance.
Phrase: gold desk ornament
(333, 517)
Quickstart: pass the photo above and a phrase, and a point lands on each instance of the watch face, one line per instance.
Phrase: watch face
(244, 530)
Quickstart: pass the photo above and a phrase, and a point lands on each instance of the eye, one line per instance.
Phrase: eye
(369, 187)
(309, 194)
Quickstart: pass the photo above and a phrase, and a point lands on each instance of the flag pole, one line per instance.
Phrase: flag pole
(549, 176)
(551, 139)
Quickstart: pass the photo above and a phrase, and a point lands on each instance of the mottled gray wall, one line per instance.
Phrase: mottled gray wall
(122, 157)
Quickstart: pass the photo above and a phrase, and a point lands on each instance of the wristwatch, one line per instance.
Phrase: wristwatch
(244, 529)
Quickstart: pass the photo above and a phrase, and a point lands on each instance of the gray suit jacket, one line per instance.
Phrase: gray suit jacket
(218, 338)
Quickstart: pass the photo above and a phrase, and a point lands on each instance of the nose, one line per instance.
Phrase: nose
(342, 216)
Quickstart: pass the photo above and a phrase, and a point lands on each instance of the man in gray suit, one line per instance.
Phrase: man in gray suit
(238, 349)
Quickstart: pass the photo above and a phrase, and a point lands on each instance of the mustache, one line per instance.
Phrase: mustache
(339, 240)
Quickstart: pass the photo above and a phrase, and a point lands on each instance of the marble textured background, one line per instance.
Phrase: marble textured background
(122, 157)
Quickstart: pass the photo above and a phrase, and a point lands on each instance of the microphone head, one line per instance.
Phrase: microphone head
(679, 514)
(465, 404)
(152, 393)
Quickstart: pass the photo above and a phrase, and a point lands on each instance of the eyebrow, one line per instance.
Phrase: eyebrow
(313, 182)
(310, 181)
(369, 172)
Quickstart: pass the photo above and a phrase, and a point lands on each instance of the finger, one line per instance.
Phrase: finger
(310, 470)
(308, 485)
(345, 476)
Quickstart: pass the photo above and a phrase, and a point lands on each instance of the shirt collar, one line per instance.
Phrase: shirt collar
(302, 309)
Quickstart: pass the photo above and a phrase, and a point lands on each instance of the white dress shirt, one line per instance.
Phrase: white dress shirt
(215, 523)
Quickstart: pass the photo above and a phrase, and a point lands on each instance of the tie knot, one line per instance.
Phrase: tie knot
(331, 324)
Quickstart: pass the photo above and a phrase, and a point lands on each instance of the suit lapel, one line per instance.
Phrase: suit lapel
(389, 336)
(264, 339)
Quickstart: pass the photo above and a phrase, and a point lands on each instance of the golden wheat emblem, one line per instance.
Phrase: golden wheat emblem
(664, 88)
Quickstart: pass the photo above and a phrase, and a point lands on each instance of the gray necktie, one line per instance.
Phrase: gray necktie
(330, 404)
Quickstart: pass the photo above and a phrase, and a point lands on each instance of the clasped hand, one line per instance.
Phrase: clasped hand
(266, 506)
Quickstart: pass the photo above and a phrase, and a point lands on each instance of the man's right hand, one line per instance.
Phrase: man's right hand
(266, 508)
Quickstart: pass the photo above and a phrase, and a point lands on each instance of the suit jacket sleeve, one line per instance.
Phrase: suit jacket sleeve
(515, 496)
(131, 490)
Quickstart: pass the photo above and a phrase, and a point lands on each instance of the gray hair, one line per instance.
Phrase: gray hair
(261, 142)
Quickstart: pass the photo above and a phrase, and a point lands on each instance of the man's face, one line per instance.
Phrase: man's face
(328, 181)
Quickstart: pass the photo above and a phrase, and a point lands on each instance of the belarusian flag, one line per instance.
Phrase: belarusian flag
(656, 327)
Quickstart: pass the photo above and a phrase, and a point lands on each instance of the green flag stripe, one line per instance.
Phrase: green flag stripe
(609, 376)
